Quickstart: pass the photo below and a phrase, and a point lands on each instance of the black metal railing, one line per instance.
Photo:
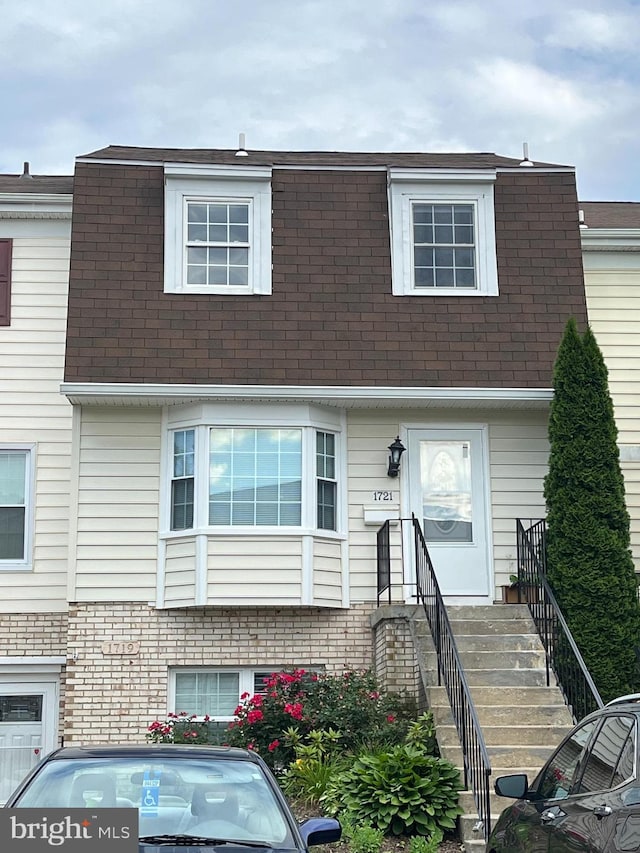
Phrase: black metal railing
(562, 655)
(477, 766)
(383, 560)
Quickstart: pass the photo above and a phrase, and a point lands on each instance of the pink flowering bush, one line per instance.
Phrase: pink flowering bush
(299, 702)
(292, 705)
(182, 728)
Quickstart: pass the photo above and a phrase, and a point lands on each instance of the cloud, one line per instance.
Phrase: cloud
(588, 31)
(324, 74)
(517, 89)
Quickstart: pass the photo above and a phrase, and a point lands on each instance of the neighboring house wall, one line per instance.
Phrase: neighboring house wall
(611, 243)
(35, 476)
(32, 411)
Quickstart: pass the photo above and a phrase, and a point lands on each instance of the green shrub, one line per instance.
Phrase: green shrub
(589, 563)
(421, 733)
(366, 839)
(317, 761)
(420, 844)
(402, 791)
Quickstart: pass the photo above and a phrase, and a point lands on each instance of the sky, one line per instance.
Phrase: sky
(337, 75)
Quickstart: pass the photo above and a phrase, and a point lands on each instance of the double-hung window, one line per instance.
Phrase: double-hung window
(442, 234)
(15, 507)
(443, 245)
(217, 229)
(218, 242)
(253, 477)
(326, 482)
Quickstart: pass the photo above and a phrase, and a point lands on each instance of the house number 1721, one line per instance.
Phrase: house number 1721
(383, 496)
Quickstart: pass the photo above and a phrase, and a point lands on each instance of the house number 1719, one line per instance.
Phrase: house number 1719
(383, 496)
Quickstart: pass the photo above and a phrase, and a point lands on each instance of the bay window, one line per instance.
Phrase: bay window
(253, 477)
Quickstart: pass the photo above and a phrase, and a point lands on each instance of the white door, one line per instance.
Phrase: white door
(28, 720)
(448, 483)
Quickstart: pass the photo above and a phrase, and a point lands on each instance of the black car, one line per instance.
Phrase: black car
(195, 796)
(586, 797)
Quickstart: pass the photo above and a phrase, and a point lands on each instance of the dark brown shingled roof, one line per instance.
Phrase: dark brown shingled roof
(611, 214)
(62, 184)
(310, 158)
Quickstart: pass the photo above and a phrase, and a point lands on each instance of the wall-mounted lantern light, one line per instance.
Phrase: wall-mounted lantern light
(395, 452)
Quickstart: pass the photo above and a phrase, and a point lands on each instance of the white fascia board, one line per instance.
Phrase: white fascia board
(547, 170)
(33, 205)
(205, 170)
(397, 173)
(610, 239)
(85, 391)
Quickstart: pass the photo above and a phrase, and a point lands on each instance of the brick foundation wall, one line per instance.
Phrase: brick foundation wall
(33, 634)
(113, 698)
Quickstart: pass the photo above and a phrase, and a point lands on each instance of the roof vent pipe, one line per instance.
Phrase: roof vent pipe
(25, 172)
(525, 155)
(241, 152)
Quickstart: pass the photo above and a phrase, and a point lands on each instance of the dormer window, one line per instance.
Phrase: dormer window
(442, 234)
(217, 230)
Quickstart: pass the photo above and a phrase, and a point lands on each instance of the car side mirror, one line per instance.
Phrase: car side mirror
(514, 786)
(320, 830)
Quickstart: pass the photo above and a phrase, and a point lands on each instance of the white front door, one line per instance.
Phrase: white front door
(448, 474)
(28, 721)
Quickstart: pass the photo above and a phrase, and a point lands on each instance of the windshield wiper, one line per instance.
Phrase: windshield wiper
(198, 841)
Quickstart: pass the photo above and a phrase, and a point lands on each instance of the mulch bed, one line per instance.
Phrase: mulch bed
(391, 844)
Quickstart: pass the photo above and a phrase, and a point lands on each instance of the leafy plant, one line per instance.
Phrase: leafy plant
(316, 763)
(421, 733)
(402, 791)
(420, 844)
(366, 839)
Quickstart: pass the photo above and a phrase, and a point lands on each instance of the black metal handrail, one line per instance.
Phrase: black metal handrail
(383, 561)
(477, 766)
(562, 655)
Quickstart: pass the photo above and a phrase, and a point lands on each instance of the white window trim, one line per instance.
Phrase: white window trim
(404, 189)
(309, 419)
(245, 683)
(26, 564)
(219, 184)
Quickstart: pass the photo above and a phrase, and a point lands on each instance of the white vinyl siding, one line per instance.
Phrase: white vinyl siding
(612, 283)
(180, 573)
(118, 504)
(32, 410)
(254, 570)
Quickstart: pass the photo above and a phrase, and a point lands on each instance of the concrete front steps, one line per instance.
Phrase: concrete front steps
(522, 719)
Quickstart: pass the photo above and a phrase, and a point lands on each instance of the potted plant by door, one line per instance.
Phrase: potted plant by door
(518, 592)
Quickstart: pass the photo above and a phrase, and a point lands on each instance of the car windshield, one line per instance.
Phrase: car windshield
(204, 797)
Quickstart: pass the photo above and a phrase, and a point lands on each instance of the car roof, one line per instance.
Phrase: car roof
(158, 750)
(629, 699)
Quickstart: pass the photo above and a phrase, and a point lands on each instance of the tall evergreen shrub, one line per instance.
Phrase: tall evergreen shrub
(589, 562)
